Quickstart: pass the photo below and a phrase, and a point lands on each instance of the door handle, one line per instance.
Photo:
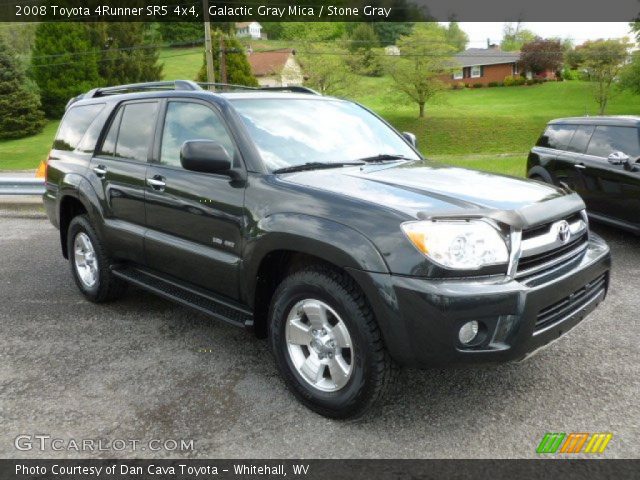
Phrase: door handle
(100, 170)
(581, 166)
(157, 183)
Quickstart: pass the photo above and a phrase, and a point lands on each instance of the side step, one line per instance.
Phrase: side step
(186, 295)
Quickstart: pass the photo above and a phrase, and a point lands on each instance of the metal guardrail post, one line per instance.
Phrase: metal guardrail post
(21, 186)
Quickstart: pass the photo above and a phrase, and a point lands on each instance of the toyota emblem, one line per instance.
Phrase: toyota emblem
(564, 232)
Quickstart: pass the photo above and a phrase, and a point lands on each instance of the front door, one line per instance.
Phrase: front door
(119, 168)
(194, 220)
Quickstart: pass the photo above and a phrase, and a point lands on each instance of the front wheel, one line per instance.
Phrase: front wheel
(327, 344)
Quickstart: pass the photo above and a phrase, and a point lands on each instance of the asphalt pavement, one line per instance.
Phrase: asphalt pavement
(145, 369)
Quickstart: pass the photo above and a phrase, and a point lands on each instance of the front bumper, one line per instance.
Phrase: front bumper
(420, 318)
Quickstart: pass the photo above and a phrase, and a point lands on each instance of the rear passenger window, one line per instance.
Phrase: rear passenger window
(606, 140)
(191, 121)
(74, 126)
(556, 136)
(581, 138)
(131, 132)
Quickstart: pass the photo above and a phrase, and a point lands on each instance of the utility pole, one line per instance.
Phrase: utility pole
(223, 61)
(208, 48)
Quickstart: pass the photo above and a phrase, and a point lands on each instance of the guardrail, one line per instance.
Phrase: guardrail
(21, 186)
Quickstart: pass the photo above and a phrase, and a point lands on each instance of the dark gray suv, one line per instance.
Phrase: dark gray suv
(598, 158)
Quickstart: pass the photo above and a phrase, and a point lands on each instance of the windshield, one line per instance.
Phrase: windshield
(294, 132)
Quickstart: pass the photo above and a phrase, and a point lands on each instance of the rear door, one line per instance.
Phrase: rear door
(612, 190)
(118, 169)
(194, 220)
(554, 154)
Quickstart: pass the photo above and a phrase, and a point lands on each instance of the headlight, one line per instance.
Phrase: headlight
(458, 244)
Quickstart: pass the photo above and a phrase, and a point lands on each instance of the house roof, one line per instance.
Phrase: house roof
(485, 56)
(268, 63)
(245, 24)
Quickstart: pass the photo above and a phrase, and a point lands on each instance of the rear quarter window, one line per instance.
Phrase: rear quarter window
(556, 136)
(608, 139)
(74, 126)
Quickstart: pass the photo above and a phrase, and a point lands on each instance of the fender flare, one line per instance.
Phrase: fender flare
(331, 241)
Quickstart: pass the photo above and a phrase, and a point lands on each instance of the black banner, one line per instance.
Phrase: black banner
(316, 469)
(317, 10)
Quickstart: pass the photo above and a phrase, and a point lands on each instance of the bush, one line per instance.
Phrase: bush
(20, 113)
(238, 68)
(568, 74)
(457, 86)
(478, 85)
(512, 81)
(494, 84)
(530, 81)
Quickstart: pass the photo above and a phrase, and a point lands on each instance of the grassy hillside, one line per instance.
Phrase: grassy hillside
(489, 128)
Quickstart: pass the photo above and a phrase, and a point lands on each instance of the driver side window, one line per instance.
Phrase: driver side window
(191, 121)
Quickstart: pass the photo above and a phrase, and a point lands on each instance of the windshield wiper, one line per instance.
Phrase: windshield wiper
(315, 166)
(382, 158)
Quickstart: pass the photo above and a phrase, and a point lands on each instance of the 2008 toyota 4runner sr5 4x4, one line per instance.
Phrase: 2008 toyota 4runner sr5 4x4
(314, 223)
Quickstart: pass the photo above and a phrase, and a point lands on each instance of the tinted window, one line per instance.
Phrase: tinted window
(191, 121)
(581, 138)
(136, 131)
(74, 125)
(292, 132)
(556, 136)
(109, 145)
(606, 140)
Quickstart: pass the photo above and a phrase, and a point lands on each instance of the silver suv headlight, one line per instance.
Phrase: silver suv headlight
(458, 244)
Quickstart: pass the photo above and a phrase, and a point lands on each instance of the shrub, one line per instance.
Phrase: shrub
(20, 113)
(509, 81)
(457, 86)
(530, 81)
(478, 85)
(494, 84)
(568, 74)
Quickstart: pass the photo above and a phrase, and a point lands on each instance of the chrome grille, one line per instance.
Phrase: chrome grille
(551, 245)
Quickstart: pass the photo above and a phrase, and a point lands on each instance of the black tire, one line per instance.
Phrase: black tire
(107, 287)
(373, 369)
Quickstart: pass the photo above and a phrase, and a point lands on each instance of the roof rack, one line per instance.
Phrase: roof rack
(141, 87)
(230, 86)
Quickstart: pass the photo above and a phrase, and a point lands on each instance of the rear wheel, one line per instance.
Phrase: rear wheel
(90, 265)
(327, 344)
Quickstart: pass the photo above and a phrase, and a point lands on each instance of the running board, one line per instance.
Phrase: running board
(186, 295)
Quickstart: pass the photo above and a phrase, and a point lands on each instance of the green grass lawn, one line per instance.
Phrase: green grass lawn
(489, 128)
(181, 63)
(26, 153)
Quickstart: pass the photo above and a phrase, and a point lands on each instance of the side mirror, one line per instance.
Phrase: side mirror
(618, 158)
(204, 156)
(411, 138)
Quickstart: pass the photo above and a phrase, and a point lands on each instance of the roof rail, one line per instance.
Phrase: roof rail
(230, 86)
(292, 88)
(141, 87)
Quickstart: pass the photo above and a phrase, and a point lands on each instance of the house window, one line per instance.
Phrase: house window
(457, 75)
(514, 69)
(476, 71)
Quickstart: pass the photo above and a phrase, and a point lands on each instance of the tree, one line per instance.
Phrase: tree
(64, 64)
(424, 56)
(456, 37)
(316, 31)
(237, 65)
(326, 72)
(630, 74)
(603, 60)
(361, 43)
(127, 52)
(514, 37)
(389, 32)
(542, 55)
(181, 33)
(20, 113)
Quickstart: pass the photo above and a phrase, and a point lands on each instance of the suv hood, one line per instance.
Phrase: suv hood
(424, 189)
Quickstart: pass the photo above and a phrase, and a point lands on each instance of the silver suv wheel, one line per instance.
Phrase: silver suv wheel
(85, 260)
(319, 345)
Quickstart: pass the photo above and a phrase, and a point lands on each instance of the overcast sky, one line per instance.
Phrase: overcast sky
(579, 32)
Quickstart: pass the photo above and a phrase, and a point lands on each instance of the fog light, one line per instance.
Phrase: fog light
(468, 332)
